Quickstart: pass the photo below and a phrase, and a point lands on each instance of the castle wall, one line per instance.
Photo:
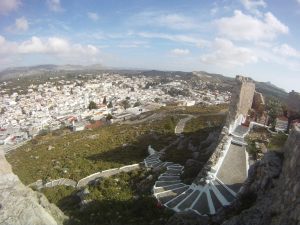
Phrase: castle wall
(241, 102)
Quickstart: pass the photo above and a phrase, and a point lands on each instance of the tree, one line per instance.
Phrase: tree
(109, 117)
(92, 105)
(104, 102)
(125, 104)
(274, 109)
(2, 111)
(137, 104)
(110, 105)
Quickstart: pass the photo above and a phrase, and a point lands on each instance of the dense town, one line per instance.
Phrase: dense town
(78, 102)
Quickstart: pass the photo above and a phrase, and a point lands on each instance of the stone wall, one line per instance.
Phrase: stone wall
(61, 181)
(86, 180)
(293, 103)
(106, 173)
(219, 152)
(20, 205)
(241, 101)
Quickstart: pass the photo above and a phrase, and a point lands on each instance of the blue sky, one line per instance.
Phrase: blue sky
(256, 38)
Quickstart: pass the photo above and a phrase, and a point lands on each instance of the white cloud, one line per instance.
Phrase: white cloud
(54, 49)
(226, 54)
(180, 52)
(253, 5)
(21, 24)
(7, 6)
(134, 44)
(286, 50)
(93, 16)
(163, 19)
(52, 46)
(54, 5)
(246, 27)
(298, 1)
(176, 38)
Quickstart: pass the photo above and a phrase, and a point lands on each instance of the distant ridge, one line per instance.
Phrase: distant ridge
(266, 88)
(23, 71)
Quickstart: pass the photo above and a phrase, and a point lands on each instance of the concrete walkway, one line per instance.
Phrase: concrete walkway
(181, 124)
(219, 189)
(233, 169)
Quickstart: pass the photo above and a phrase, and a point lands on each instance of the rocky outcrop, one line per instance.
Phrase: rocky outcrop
(21, 205)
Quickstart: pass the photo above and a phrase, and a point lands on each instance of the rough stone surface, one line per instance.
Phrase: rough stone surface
(241, 99)
(21, 205)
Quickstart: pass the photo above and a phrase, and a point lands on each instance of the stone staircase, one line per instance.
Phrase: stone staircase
(240, 131)
(171, 192)
(217, 190)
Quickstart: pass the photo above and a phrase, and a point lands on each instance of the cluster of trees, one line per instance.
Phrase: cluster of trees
(125, 103)
(93, 105)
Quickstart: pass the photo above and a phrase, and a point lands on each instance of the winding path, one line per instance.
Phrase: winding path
(181, 124)
(218, 189)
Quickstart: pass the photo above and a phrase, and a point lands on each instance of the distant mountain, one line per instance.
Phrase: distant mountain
(17, 72)
(270, 90)
(225, 83)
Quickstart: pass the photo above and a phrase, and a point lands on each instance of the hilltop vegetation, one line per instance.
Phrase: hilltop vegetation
(121, 199)
(77, 155)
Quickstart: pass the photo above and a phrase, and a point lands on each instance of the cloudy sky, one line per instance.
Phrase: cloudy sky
(257, 38)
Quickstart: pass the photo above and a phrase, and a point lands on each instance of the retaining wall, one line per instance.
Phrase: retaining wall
(86, 180)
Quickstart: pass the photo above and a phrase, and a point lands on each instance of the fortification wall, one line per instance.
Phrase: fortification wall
(293, 103)
(241, 102)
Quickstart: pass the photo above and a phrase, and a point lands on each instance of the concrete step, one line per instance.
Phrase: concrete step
(238, 141)
(152, 160)
(187, 203)
(166, 196)
(240, 131)
(168, 187)
(173, 172)
(175, 201)
(175, 167)
(155, 156)
(149, 164)
(224, 191)
(169, 175)
(158, 164)
(216, 203)
(201, 205)
(165, 183)
(218, 194)
(172, 178)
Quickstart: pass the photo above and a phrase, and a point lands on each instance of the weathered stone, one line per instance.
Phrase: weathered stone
(21, 205)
